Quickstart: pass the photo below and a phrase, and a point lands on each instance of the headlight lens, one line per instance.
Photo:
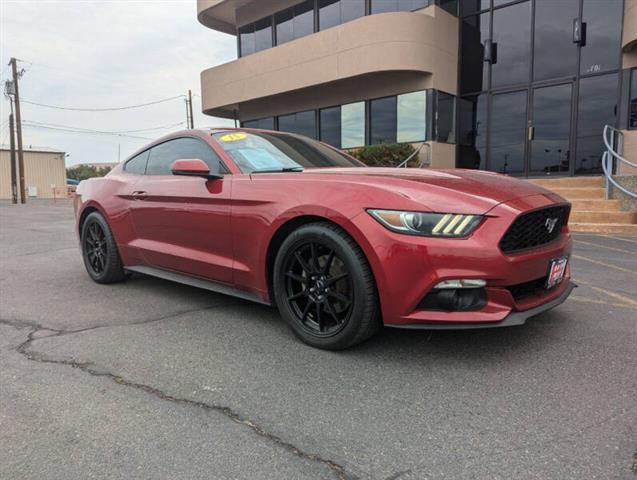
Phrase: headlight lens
(427, 224)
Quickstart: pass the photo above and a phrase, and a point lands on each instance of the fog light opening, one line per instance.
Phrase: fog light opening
(461, 283)
(454, 299)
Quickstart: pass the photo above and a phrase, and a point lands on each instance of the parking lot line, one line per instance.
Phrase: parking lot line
(609, 265)
(603, 246)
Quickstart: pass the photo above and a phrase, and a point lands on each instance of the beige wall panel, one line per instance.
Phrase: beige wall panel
(337, 93)
(389, 42)
(5, 175)
(41, 169)
(630, 152)
(629, 39)
(629, 59)
(443, 155)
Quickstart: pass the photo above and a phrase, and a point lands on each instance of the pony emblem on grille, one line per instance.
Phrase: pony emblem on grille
(550, 224)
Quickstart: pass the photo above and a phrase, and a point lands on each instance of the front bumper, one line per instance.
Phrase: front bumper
(511, 320)
(407, 268)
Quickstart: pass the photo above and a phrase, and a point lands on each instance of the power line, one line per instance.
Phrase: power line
(108, 109)
(114, 132)
(86, 132)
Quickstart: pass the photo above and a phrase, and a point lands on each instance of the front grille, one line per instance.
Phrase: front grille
(527, 289)
(532, 229)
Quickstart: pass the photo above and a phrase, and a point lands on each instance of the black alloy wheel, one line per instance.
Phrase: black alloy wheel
(96, 248)
(324, 287)
(99, 250)
(318, 288)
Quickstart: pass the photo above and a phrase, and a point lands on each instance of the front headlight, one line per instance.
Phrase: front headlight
(427, 224)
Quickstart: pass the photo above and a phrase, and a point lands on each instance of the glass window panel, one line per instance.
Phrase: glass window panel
(329, 13)
(287, 123)
(512, 33)
(470, 6)
(330, 122)
(603, 35)
(263, 34)
(304, 19)
(246, 40)
(411, 117)
(284, 26)
(597, 107)
(552, 122)
(382, 6)
(555, 52)
(353, 125)
(163, 155)
(633, 99)
(303, 123)
(508, 132)
(137, 164)
(279, 150)
(473, 132)
(383, 120)
(352, 9)
(474, 70)
(306, 123)
(446, 118)
(450, 6)
(262, 123)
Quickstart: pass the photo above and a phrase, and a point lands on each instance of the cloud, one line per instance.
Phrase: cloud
(103, 54)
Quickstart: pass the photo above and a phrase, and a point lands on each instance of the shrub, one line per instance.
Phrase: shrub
(385, 155)
(83, 172)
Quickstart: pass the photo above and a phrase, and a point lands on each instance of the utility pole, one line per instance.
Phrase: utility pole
(14, 179)
(14, 71)
(192, 119)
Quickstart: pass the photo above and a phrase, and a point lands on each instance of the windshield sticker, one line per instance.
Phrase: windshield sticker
(259, 158)
(233, 137)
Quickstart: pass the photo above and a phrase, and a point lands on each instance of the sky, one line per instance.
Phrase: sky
(102, 54)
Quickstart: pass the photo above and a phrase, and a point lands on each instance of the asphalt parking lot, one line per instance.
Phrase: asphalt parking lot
(148, 379)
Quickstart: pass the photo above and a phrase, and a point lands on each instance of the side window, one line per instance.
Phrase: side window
(163, 155)
(137, 164)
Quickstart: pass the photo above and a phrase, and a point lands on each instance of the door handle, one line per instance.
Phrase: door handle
(531, 133)
(139, 195)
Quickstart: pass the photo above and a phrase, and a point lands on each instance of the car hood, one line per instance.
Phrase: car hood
(457, 189)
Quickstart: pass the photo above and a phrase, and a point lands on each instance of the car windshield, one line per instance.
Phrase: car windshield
(264, 152)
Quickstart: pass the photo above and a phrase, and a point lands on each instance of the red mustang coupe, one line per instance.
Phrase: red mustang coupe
(340, 248)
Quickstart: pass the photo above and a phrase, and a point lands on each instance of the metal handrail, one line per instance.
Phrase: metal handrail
(608, 160)
(423, 163)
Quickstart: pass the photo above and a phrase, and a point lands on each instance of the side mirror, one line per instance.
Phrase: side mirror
(193, 167)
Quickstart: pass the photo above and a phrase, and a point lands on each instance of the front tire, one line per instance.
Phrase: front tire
(99, 250)
(324, 287)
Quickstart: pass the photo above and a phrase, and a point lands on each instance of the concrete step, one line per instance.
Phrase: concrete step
(596, 205)
(588, 193)
(590, 216)
(604, 228)
(569, 182)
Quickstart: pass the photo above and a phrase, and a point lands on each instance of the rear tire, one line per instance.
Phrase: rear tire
(99, 250)
(324, 287)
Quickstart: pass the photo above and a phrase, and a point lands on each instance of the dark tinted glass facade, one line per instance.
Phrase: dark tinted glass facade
(335, 12)
(404, 118)
(382, 6)
(303, 123)
(632, 112)
(383, 120)
(310, 16)
(532, 74)
(262, 123)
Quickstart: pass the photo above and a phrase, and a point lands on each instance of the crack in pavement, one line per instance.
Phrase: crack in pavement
(87, 367)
